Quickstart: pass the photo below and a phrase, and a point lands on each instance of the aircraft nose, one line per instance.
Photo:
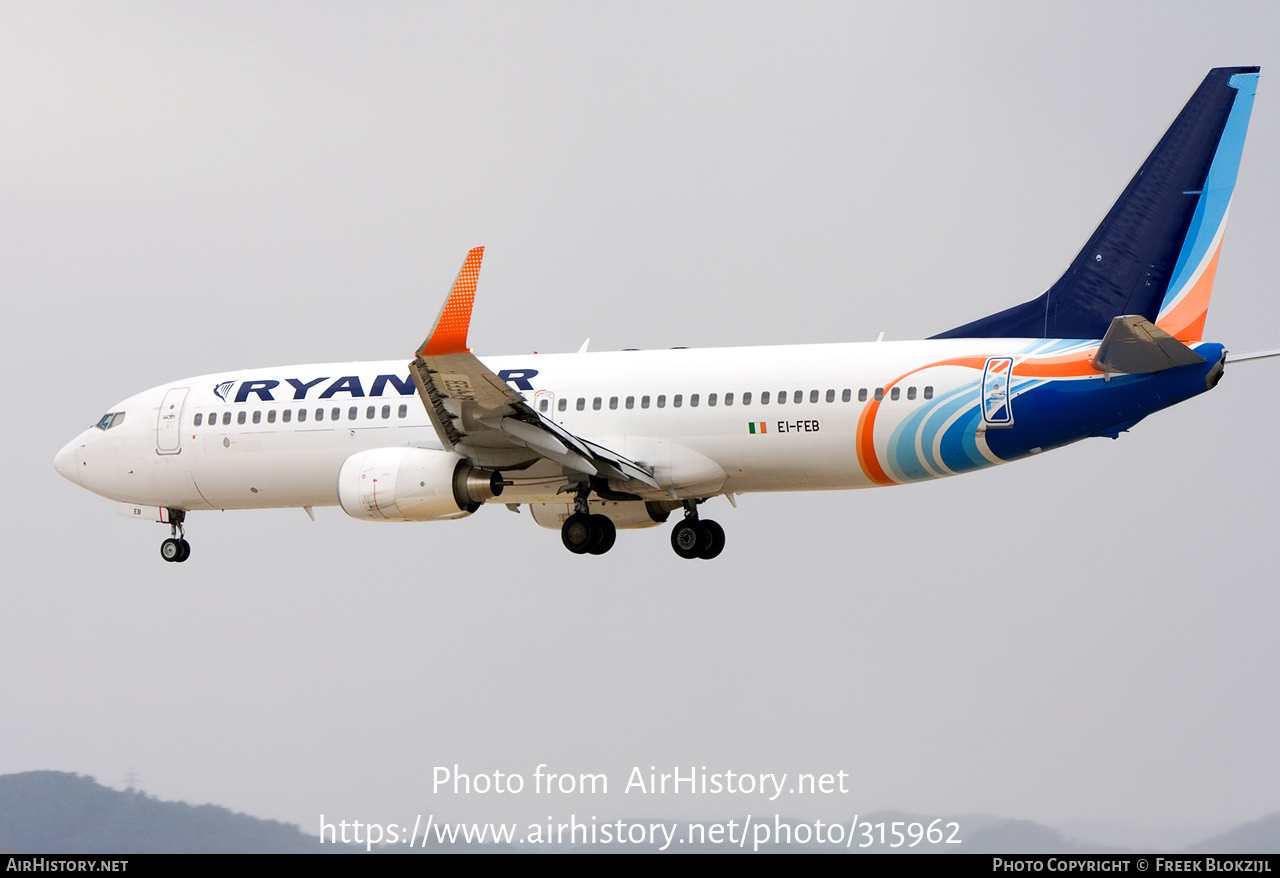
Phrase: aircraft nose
(65, 463)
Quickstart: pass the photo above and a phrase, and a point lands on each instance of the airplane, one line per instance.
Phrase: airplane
(594, 442)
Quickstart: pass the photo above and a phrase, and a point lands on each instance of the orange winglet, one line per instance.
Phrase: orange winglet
(449, 335)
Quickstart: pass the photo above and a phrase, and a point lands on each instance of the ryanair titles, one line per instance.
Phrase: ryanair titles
(352, 386)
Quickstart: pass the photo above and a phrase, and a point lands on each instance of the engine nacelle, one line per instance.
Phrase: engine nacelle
(413, 484)
(624, 514)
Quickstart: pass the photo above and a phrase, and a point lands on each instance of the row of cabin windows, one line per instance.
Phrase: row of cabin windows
(286, 415)
(695, 399)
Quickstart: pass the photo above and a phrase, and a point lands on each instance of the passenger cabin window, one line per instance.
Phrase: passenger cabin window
(404, 412)
(564, 404)
(862, 394)
(813, 396)
(782, 397)
(242, 417)
(287, 415)
(911, 393)
(302, 415)
(353, 413)
(370, 413)
(582, 404)
(662, 400)
(693, 399)
(335, 414)
(631, 402)
(271, 416)
(928, 391)
(879, 393)
(895, 393)
(543, 405)
(199, 418)
(764, 399)
(711, 399)
(257, 417)
(799, 396)
(746, 398)
(386, 412)
(728, 398)
(226, 419)
(644, 402)
(319, 414)
(613, 403)
(595, 404)
(831, 395)
(677, 400)
(846, 395)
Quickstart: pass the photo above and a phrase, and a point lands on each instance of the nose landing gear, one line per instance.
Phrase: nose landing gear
(176, 548)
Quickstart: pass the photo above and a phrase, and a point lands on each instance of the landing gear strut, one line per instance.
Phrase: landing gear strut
(583, 533)
(176, 548)
(693, 537)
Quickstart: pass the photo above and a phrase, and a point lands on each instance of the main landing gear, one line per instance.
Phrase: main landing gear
(585, 534)
(697, 538)
(176, 548)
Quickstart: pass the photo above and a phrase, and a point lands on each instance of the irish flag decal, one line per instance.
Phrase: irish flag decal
(756, 427)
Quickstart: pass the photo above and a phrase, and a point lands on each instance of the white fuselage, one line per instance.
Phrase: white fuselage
(771, 418)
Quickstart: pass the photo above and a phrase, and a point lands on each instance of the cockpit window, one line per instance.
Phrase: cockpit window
(109, 420)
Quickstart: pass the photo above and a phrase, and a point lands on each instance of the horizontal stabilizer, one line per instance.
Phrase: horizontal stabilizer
(1251, 355)
(1134, 345)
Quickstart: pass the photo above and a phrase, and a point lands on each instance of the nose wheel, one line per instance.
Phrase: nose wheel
(176, 548)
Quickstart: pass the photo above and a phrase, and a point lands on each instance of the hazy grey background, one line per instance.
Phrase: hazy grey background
(187, 189)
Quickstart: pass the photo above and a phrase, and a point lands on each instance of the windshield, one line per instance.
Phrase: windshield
(109, 420)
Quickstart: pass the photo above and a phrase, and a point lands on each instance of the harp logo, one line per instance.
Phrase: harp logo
(223, 389)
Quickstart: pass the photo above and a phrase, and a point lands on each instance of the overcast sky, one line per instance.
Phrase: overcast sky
(195, 188)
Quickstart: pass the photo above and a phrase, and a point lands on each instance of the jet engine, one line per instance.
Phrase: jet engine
(413, 484)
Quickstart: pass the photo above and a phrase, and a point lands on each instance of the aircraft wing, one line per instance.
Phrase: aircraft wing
(476, 414)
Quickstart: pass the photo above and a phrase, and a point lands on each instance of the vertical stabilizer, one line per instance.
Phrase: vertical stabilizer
(1155, 252)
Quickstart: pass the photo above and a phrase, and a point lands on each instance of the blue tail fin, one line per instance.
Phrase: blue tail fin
(1165, 228)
